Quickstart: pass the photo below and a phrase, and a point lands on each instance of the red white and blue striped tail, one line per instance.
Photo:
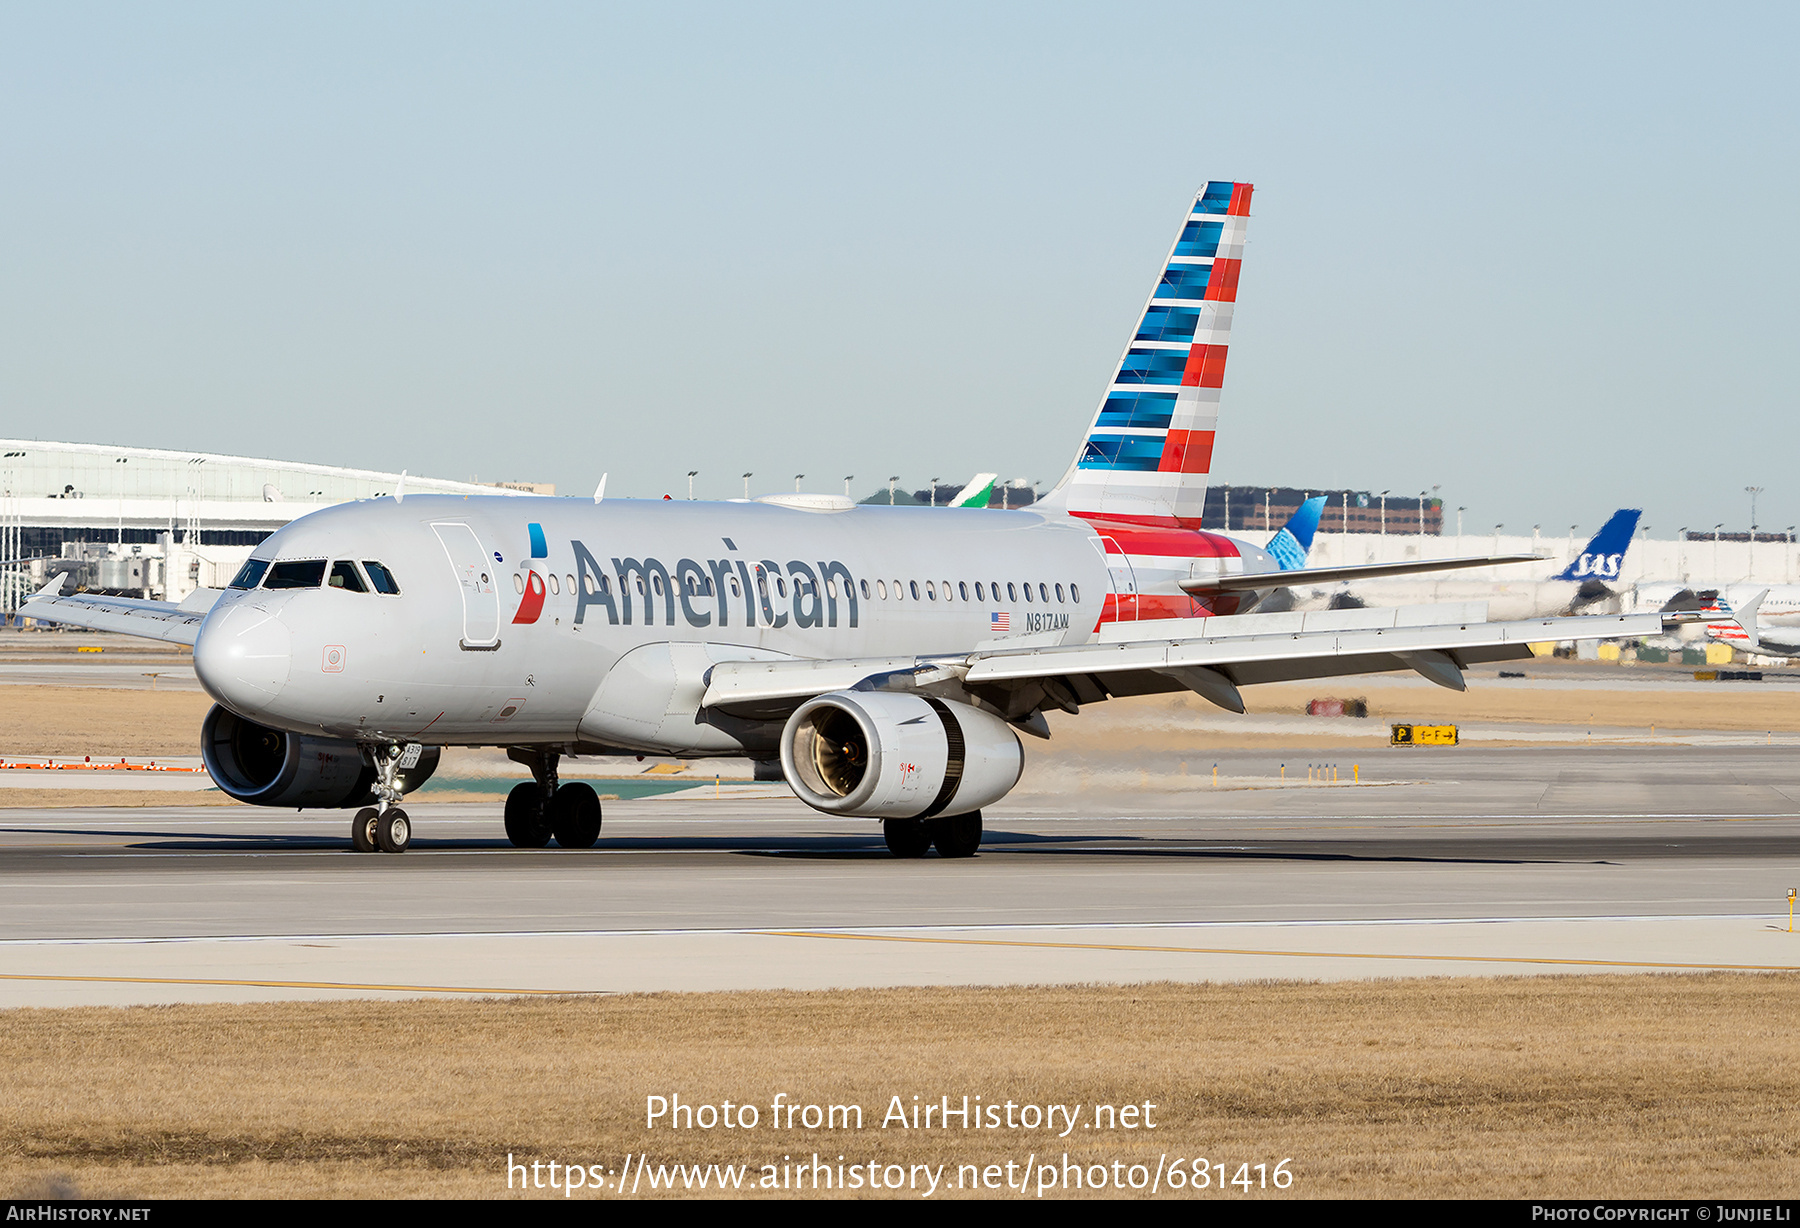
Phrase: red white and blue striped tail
(1149, 449)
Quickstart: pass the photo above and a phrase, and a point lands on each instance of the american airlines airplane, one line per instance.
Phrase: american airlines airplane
(883, 661)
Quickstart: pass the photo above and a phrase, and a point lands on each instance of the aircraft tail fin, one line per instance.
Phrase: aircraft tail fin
(1293, 543)
(977, 492)
(1148, 451)
(1604, 554)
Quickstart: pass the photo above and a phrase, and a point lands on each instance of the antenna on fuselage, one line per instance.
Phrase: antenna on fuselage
(600, 490)
(400, 488)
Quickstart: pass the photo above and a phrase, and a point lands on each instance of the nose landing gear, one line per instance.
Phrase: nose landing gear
(541, 809)
(384, 826)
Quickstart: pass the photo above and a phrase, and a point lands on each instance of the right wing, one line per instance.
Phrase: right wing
(1212, 657)
(1263, 580)
(152, 620)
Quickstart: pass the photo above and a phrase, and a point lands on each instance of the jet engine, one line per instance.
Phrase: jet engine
(271, 767)
(888, 755)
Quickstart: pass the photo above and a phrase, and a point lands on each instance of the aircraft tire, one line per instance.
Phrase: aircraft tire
(957, 835)
(393, 831)
(362, 830)
(906, 837)
(575, 816)
(526, 824)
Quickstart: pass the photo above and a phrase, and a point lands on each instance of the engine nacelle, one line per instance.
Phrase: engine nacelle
(271, 767)
(889, 755)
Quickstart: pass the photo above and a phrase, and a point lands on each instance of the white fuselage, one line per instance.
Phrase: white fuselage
(638, 600)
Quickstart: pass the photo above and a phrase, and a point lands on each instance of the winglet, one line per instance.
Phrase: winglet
(54, 588)
(600, 490)
(1745, 617)
(400, 488)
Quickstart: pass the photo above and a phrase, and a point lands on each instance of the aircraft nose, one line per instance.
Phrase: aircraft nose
(242, 657)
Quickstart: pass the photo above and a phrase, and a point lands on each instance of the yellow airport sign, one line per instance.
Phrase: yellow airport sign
(1422, 735)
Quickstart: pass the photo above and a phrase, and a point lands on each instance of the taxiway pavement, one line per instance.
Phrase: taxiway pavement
(1472, 861)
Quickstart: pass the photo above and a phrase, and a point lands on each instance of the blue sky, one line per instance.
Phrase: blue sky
(1540, 256)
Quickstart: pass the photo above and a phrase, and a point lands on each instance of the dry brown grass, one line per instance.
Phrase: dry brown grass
(1611, 1086)
(51, 720)
(63, 799)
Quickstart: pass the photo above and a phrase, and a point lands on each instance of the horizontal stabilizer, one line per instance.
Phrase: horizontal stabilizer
(1262, 581)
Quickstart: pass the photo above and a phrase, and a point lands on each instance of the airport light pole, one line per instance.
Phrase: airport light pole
(1384, 495)
(1497, 529)
(1716, 528)
(797, 478)
(747, 478)
(1750, 556)
(848, 478)
(1681, 553)
(891, 481)
(1459, 512)
(1421, 513)
(934, 483)
(1346, 517)
(1268, 497)
(692, 473)
(1534, 539)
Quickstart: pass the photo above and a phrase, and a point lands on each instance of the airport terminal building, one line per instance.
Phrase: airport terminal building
(148, 522)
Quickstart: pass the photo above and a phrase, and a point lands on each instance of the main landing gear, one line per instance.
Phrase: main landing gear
(543, 808)
(956, 835)
(383, 826)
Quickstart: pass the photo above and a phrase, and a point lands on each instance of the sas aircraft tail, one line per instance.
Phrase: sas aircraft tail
(1602, 557)
(1149, 449)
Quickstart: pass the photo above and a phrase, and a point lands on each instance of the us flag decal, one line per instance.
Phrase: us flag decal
(999, 622)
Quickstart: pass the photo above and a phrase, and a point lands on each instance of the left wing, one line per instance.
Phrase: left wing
(152, 620)
(1252, 649)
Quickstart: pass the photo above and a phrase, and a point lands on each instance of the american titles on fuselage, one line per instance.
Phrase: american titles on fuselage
(633, 590)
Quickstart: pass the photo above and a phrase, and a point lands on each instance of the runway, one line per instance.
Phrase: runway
(1484, 862)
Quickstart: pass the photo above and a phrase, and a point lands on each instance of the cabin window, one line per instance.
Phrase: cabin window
(880, 587)
(914, 585)
(553, 589)
(309, 574)
(962, 589)
(1012, 592)
(736, 588)
(1059, 595)
(946, 590)
(1044, 592)
(865, 589)
(657, 584)
(518, 582)
(250, 573)
(930, 590)
(1028, 590)
(1075, 594)
(979, 595)
(587, 583)
(781, 586)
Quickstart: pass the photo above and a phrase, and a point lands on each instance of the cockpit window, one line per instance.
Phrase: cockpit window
(343, 575)
(381, 578)
(307, 574)
(250, 573)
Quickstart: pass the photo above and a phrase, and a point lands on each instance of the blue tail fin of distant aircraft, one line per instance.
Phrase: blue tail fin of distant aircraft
(1602, 557)
(1290, 547)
